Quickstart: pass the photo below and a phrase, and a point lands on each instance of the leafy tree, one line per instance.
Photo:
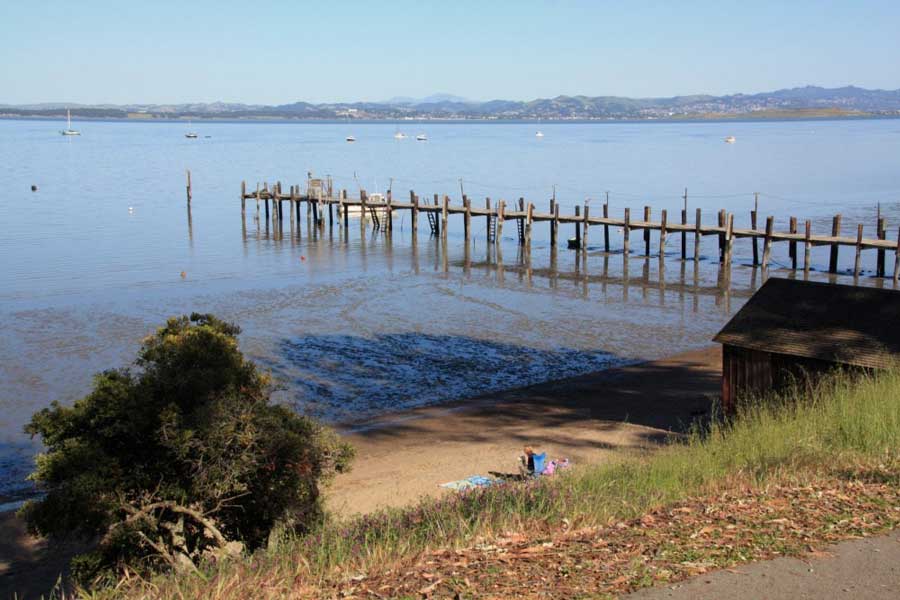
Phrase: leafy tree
(179, 458)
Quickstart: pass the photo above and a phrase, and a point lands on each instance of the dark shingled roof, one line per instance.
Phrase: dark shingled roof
(836, 323)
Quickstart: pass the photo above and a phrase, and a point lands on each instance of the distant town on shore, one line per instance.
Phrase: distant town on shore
(809, 101)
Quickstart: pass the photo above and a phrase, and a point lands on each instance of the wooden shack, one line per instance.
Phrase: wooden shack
(792, 329)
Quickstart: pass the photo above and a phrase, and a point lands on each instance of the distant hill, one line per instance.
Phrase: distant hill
(808, 100)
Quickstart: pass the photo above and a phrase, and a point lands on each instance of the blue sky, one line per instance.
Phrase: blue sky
(279, 52)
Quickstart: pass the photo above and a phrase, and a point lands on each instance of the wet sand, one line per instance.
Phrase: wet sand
(586, 419)
(404, 456)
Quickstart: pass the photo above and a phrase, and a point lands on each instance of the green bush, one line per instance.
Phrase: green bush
(180, 458)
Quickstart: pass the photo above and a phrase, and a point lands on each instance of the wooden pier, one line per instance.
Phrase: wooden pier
(379, 211)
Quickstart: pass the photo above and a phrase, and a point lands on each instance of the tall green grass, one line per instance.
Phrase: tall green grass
(843, 421)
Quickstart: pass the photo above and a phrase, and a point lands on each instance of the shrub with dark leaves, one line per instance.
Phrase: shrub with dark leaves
(181, 458)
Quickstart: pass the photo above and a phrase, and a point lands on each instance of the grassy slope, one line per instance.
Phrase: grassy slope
(845, 423)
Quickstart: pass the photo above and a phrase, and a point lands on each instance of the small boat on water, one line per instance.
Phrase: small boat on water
(539, 134)
(421, 137)
(730, 139)
(68, 130)
(350, 138)
(190, 134)
(399, 135)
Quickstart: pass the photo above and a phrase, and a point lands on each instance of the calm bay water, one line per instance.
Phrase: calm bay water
(92, 261)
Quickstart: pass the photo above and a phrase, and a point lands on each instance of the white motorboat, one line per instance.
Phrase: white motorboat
(421, 138)
(350, 138)
(730, 139)
(539, 134)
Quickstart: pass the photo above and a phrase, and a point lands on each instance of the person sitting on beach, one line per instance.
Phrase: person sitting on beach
(526, 462)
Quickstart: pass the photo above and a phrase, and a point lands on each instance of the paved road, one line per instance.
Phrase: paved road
(868, 568)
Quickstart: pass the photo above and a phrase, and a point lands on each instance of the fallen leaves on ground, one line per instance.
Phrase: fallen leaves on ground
(663, 546)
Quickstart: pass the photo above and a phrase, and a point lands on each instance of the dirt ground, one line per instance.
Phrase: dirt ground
(404, 456)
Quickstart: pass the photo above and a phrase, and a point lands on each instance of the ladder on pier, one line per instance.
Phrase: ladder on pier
(492, 229)
(379, 216)
(433, 222)
(520, 223)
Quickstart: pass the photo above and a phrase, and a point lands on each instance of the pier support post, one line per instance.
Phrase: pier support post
(662, 234)
(857, 262)
(467, 219)
(722, 236)
(188, 189)
(554, 223)
(646, 231)
(606, 228)
(792, 246)
(807, 246)
(767, 244)
(897, 259)
(529, 217)
(753, 239)
(697, 236)
(626, 232)
(414, 213)
(835, 232)
(882, 234)
(683, 232)
(584, 237)
(577, 228)
(487, 229)
(257, 201)
(362, 213)
(501, 208)
(729, 239)
(437, 220)
(445, 212)
(243, 198)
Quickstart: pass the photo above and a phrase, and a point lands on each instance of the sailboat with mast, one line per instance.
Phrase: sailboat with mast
(68, 130)
(192, 135)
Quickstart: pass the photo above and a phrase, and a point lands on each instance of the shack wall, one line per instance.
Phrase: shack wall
(747, 373)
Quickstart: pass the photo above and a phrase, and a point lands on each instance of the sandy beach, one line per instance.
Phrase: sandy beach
(402, 457)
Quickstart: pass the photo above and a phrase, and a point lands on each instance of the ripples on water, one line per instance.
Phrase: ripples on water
(364, 324)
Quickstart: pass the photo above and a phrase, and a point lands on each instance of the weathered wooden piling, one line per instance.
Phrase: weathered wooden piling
(646, 231)
(626, 231)
(467, 224)
(662, 233)
(188, 189)
(792, 245)
(767, 244)
(445, 213)
(554, 223)
(807, 245)
(577, 228)
(897, 258)
(501, 209)
(699, 218)
(529, 217)
(729, 238)
(606, 228)
(753, 240)
(857, 261)
(835, 232)
(684, 230)
(587, 220)
(881, 235)
(243, 198)
(414, 212)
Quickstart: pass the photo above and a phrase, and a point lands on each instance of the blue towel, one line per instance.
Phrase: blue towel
(470, 482)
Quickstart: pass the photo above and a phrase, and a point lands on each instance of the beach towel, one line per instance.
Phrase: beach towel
(468, 483)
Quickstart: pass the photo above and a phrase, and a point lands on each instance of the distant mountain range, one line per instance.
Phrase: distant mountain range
(801, 101)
